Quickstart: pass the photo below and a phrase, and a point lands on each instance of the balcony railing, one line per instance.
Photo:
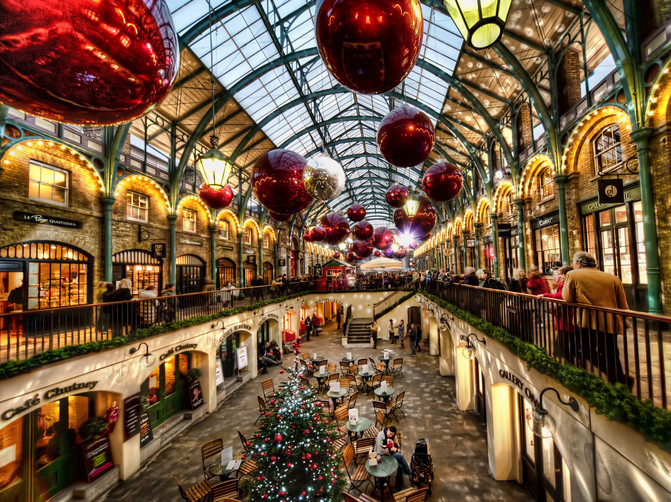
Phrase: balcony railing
(622, 346)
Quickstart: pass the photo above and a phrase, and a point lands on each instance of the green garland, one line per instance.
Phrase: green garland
(614, 401)
(10, 369)
(389, 309)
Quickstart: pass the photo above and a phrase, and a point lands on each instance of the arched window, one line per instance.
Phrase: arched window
(607, 149)
(546, 184)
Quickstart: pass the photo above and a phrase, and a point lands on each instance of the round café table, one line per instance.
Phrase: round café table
(385, 395)
(335, 396)
(381, 472)
(217, 469)
(321, 377)
(356, 430)
(366, 377)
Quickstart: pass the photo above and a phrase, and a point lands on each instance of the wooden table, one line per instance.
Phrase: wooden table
(387, 466)
(335, 396)
(355, 431)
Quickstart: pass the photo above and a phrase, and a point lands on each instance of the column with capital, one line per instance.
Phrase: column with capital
(519, 204)
(477, 227)
(495, 244)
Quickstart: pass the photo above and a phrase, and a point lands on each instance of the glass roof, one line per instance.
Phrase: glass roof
(241, 43)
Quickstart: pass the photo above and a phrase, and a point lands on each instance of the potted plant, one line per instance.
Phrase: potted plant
(92, 428)
(192, 375)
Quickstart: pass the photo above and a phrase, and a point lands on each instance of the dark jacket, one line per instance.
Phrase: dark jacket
(471, 279)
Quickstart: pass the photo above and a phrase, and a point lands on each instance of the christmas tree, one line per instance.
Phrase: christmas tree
(294, 449)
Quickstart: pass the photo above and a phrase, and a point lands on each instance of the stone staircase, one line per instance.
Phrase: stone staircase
(358, 334)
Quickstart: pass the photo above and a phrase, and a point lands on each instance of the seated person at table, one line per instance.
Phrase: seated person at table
(383, 447)
(265, 355)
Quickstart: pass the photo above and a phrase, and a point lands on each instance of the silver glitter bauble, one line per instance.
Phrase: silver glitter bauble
(323, 178)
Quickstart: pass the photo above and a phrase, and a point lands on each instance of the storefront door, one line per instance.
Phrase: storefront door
(140, 267)
(511, 254)
(165, 389)
(190, 274)
(225, 272)
(227, 353)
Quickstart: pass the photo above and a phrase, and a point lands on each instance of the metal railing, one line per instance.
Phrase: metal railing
(625, 346)
(389, 300)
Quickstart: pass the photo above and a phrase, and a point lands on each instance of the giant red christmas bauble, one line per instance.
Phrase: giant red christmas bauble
(389, 253)
(363, 249)
(336, 226)
(369, 46)
(351, 256)
(84, 61)
(318, 234)
(307, 236)
(405, 137)
(356, 212)
(442, 181)
(363, 231)
(279, 216)
(400, 253)
(336, 255)
(377, 253)
(277, 181)
(421, 224)
(216, 198)
(397, 196)
(383, 238)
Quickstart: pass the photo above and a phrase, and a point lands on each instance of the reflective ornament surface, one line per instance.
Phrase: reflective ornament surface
(323, 178)
(383, 238)
(351, 256)
(216, 198)
(307, 236)
(369, 46)
(277, 181)
(318, 234)
(363, 230)
(397, 196)
(421, 224)
(400, 253)
(377, 253)
(336, 255)
(442, 181)
(87, 62)
(356, 212)
(336, 227)
(279, 216)
(363, 249)
(406, 137)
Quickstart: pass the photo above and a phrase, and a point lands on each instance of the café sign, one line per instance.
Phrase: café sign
(235, 328)
(46, 220)
(49, 394)
(520, 384)
(176, 349)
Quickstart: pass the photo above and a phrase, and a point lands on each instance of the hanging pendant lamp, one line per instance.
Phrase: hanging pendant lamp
(480, 22)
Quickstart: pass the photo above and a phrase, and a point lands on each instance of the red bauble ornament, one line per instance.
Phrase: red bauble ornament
(389, 253)
(336, 255)
(421, 224)
(397, 196)
(406, 137)
(363, 249)
(377, 253)
(383, 238)
(400, 253)
(369, 46)
(351, 256)
(363, 230)
(442, 181)
(336, 226)
(356, 212)
(278, 438)
(277, 181)
(84, 62)
(307, 236)
(216, 198)
(318, 234)
(279, 216)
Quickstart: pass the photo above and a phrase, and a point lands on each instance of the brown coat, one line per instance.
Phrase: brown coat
(594, 287)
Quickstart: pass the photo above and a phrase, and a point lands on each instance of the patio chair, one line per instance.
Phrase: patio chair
(243, 440)
(397, 405)
(268, 387)
(396, 367)
(364, 446)
(201, 491)
(360, 474)
(208, 453)
(225, 490)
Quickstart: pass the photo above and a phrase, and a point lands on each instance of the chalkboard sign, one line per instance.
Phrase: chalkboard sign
(97, 457)
(132, 408)
(196, 395)
(146, 434)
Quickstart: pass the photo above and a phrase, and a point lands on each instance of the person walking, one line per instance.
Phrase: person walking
(412, 334)
(598, 332)
(308, 327)
(400, 329)
(170, 304)
(392, 337)
(563, 319)
(373, 333)
(339, 317)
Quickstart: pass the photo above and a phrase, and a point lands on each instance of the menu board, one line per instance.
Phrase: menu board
(97, 457)
(146, 434)
(132, 409)
(196, 395)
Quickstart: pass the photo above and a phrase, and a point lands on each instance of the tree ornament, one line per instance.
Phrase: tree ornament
(307, 236)
(420, 224)
(318, 234)
(442, 181)
(406, 137)
(279, 216)
(397, 196)
(83, 62)
(377, 253)
(356, 212)
(336, 227)
(277, 181)
(363, 230)
(369, 46)
(400, 253)
(323, 178)
(215, 198)
(362, 249)
(336, 255)
(383, 238)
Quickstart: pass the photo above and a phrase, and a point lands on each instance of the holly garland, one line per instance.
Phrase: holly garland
(294, 448)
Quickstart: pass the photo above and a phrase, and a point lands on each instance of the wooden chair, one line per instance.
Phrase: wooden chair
(351, 402)
(362, 362)
(201, 491)
(305, 382)
(362, 498)
(364, 446)
(372, 362)
(225, 490)
(247, 468)
(380, 367)
(389, 379)
(340, 443)
(341, 413)
(360, 474)
(371, 432)
(353, 369)
(375, 381)
(412, 495)
(381, 413)
(243, 440)
(268, 387)
(331, 367)
(397, 405)
(263, 408)
(396, 367)
(208, 453)
(325, 406)
(344, 367)
(332, 378)
(305, 356)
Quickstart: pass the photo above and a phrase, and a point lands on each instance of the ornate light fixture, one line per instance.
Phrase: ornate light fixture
(149, 358)
(469, 350)
(481, 22)
(411, 206)
(541, 423)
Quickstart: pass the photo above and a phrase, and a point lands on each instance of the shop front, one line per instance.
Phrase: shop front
(547, 248)
(190, 274)
(140, 266)
(165, 392)
(249, 268)
(233, 352)
(489, 252)
(225, 272)
(267, 272)
(613, 233)
(511, 247)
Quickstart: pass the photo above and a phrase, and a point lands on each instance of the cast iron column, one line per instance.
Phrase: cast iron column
(172, 218)
(213, 251)
(241, 254)
(519, 203)
(108, 203)
(478, 234)
(495, 245)
(563, 220)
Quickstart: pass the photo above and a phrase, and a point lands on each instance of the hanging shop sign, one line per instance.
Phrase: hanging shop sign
(630, 194)
(470, 243)
(251, 259)
(224, 248)
(281, 262)
(504, 230)
(520, 384)
(196, 395)
(237, 327)
(611, 191)
(49, 394)
(46, 220)
(545, 220)
(132, 409)
(159, 250)
(146, 434)
(98, 457)
(176, 349)
(190, 242)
